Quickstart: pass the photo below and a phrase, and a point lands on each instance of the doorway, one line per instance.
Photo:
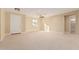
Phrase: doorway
(15, 23)
(70, 24)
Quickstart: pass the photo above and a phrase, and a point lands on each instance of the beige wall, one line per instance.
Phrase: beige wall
(56, 23)
(66, 24)
(77, 25)
(7, 22)
(2, 23)
(28, 24)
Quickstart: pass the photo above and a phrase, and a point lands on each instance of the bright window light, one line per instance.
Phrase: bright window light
(34, 22)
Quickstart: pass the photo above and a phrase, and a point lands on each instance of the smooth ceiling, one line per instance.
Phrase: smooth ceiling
(45, 11)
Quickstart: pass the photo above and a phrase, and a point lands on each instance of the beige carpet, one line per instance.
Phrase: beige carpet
(41, 41)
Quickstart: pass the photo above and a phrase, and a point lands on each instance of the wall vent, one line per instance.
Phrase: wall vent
(17, 9)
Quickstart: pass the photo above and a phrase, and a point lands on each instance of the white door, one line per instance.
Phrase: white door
(15, 23)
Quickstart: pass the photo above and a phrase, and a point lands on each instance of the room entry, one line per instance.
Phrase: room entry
(15, 23)
(46, 28)
(72, 24)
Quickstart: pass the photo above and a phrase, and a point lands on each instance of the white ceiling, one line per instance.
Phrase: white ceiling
(46, 11)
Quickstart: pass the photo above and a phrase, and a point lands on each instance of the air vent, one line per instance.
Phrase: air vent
(41, 16)
(17, 9)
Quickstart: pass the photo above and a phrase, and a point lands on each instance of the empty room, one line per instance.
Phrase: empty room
(39, 28)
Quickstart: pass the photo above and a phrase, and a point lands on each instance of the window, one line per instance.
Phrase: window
(34, 22)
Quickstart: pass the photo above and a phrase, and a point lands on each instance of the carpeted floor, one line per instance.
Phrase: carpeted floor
(40, 41)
